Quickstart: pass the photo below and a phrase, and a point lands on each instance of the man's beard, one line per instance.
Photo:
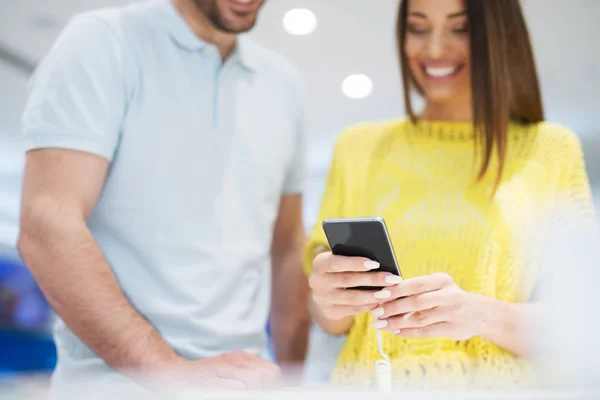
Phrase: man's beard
(211, 10)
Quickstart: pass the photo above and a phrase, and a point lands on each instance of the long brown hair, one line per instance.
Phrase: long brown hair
(504, 80)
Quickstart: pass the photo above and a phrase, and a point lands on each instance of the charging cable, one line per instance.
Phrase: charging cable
(383, 368)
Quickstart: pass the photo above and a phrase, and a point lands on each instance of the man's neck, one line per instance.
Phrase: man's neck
(204, 29)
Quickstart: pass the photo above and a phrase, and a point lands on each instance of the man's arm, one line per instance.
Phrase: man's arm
(78, 100)
(290, 319)
(60, 189)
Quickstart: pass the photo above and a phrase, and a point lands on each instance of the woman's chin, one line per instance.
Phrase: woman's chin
(440, 96)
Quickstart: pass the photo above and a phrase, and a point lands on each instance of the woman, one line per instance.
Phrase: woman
(463, 185)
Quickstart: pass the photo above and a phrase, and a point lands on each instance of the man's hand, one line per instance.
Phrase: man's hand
(231, 371)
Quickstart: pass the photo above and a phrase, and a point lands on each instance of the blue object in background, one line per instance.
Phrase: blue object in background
(22, 352)
(25, 342)
(270, 346)
(22, 304)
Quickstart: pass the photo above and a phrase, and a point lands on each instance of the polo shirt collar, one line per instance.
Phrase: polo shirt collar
(182, 35)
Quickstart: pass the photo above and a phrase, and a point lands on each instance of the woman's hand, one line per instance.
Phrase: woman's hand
(333, 275)
(431, 305)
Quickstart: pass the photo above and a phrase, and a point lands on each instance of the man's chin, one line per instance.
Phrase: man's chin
(233, 24)
(235, 28)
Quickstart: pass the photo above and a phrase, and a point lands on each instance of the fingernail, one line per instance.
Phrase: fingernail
(378, 312)
(379, 324)
(370, 264)
(393, 279)
(397, 332)
(383, 294)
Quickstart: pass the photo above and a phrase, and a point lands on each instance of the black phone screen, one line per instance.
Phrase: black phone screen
(366, 237)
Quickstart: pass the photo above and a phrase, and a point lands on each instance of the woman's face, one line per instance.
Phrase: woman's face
(437, 48)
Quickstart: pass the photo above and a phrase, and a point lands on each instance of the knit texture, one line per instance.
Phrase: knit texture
(421, 178)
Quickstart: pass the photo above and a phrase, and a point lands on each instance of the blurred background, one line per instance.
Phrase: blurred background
(345, 50)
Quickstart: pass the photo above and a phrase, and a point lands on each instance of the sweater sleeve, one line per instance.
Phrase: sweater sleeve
(332, 206)
(573, 236)
(575, 207)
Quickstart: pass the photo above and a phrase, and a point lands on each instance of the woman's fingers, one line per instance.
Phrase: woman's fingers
(329, 263)
(343, 280)
(338, 272)
(347, 297)
(441, 329)
(417, 319)
(421, 284)
(419, 302)
(334, 278)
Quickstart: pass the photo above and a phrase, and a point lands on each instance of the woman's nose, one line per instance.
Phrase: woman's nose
(435, 46)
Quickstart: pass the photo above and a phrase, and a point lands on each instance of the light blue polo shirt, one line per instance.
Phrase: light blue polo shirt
(201, 152)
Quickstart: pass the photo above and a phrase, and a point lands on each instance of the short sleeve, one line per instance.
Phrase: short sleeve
(572, 237)
(77, 96)
(332, 206)
(296, 174)
(574, 198)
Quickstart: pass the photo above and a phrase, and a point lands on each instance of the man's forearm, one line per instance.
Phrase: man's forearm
(290, 320)
(290, 338)
(510, 325)
(79, 284)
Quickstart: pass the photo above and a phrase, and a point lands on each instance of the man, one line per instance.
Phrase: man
(163, 174)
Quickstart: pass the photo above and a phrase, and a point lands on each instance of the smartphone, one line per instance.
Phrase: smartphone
(362, 237)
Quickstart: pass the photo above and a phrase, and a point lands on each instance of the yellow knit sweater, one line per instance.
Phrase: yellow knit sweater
(422, 180)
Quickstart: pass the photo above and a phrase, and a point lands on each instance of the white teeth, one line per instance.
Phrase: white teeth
(244, 1)
(440, 72)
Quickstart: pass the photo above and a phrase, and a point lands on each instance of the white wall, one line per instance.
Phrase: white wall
(12, 99)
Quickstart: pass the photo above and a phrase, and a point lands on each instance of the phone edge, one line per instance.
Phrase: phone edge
(380, 220)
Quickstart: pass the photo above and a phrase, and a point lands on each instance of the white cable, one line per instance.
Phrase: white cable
(383, 368)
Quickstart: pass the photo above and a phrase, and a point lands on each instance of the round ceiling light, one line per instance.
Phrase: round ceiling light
(299, 21)
(357, 86)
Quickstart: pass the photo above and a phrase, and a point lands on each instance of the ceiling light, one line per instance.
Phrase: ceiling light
(299, 21)
(357, 86)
